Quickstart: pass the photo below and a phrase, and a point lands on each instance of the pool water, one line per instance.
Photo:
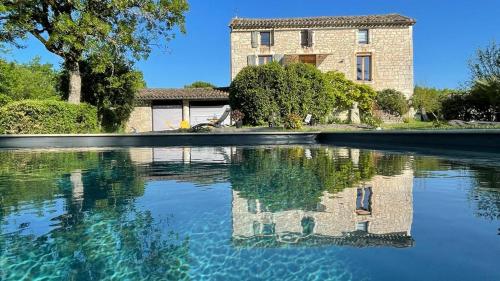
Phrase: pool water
(248, 213)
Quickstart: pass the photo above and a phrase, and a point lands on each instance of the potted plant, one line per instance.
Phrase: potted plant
(237, 117)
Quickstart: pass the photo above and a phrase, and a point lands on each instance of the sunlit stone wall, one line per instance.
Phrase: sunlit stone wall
(391, 49)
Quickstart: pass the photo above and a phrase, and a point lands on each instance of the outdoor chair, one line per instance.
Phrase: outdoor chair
(215, 124)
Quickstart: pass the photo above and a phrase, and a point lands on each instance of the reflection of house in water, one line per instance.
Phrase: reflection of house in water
(377, 213)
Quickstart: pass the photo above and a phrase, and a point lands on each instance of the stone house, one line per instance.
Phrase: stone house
(376, 50)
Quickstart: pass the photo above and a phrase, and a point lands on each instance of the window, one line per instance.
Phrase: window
(363, 201)
(307, 225)
(362, 226)
(363, 36)
(265, 59)
(311, 59)
(265, 38)
(364, 67)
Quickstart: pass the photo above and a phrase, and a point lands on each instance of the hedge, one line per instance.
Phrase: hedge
(47, 117)
(4, 99)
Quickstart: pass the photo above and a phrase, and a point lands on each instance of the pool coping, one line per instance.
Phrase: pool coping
(485, 140)
(481, 140)
(156, 139)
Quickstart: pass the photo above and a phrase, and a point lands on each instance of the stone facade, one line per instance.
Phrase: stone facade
(141, 119)
(336, 48)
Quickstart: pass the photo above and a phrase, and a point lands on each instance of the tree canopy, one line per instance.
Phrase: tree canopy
(32, 80)
(485, 65)
(200, 84)
(81, 28)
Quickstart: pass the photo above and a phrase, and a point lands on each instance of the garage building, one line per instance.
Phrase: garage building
(164, 109)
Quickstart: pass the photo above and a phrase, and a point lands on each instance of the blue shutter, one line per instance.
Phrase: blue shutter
(271, 34)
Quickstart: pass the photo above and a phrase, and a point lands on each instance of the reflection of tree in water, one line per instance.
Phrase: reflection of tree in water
(31, 177)
(391, 164)
(101, 234)
(112, 243)
(484, 195)
(285, 178)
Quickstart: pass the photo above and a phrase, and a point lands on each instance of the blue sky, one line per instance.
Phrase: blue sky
(446, 35)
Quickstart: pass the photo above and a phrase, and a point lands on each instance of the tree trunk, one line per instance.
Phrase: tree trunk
(75, 83)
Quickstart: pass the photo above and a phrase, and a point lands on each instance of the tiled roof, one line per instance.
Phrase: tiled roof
(335, 21)
(189, 94)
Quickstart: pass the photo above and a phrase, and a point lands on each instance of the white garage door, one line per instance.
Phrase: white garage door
(205, 114)
(167, 117)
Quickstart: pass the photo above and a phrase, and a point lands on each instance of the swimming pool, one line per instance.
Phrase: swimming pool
(296, 212)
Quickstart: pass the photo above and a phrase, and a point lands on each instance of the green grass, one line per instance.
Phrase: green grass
(413, 125)
(420, 125)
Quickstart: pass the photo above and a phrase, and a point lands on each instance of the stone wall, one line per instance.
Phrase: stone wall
(141, 119)
(391, 49)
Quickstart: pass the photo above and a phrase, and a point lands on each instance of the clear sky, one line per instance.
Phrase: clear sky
(446, 35)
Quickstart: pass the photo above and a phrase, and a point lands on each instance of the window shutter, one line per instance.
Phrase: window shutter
(255, 39)
(310, 37)
(251, 60)
(272, 37)
(278, 58)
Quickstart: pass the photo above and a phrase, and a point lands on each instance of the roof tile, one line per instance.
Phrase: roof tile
(189, 94)
(329, 21)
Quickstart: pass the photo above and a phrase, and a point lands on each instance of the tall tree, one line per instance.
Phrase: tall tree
(79, 28)
(485, 65)
(111, 90)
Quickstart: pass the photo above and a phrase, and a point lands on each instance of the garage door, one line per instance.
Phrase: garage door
(167, 117)
(204, 114)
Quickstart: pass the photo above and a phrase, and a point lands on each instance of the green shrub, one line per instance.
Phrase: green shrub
(307, 92)
(371, 120)
(429, 100)
(271, 92)
(366, 98)
(393, 102)
(47, 117)
(254, 92)
(347, 92)
(292, 121)
(4, 99)
(468, 106)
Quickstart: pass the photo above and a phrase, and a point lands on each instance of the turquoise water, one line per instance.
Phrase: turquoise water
(248, 213)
